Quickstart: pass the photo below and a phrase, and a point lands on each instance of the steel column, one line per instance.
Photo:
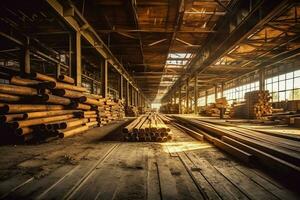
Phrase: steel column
(104, 79)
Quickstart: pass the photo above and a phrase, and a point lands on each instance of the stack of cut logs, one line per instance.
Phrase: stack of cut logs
(111, 109)
(263, 106)
(147, 128)
(39, 106)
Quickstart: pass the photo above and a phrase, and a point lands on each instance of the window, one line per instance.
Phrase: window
(284, 86)
(238, 93)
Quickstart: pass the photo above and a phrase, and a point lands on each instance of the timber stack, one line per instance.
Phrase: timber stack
(38, 106)
(147, 128)
(263, 106)
(214, 109)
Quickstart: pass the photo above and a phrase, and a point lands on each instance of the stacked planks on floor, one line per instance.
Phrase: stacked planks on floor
(147, 128)
(214, 109)
(277, 153)
(39, 106)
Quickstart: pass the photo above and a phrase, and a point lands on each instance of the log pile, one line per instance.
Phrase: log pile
(39, 106)
(263, 106)
(147, 128)
(256, 106)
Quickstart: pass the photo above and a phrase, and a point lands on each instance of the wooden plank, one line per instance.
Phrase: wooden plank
(267, 160)
(246, 185)
(240, 154)
(267, 184)
(65, 184)
(168, 187)
(91, 183)
(132, 183)
(223, 187)
(202, 184)
(153, 189)
(185, 186)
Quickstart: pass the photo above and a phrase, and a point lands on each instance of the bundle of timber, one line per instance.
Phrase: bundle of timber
(38, 106)
(263, 106)
(256, 106)
(147, 128)
(214, 109)
(111, 110)
(132, 111)
(169, 108)
(238, 110)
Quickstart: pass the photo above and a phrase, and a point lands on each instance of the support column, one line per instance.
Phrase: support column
(76, 67)
(187, 96)
(206, 97)
(121, 87)
(216, 92)
(127, 94)
(180, 101)
(25, 59)
(104, 79)
(222, 90)
(262, 79)
(196, 94)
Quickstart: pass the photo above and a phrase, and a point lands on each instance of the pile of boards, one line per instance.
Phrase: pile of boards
(257, 105)
(147, 128)
(38, 106)
(111, 110)
(169, 108)
(214, 109)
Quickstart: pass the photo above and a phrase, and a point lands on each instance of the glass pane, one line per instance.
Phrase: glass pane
(289, 84)
(275, 86)
(289, 75)
(297, 94)
(297, 73)
(281, 96)
(269, 87)
(297, 82)
(275, 96)
(269, 80)
(282, 77)
(274, 79)
(289, 95)
(281, 85)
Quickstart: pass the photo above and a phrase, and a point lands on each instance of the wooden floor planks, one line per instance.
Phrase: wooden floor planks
(117, 170)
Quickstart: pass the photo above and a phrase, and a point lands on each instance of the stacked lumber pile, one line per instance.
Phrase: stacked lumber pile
(238, 110)
(132, 111)
(214, 109)
(263, 106)
(147, 128)
(169, 108)
(256, 106)
(38, 106)
(111, 110)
